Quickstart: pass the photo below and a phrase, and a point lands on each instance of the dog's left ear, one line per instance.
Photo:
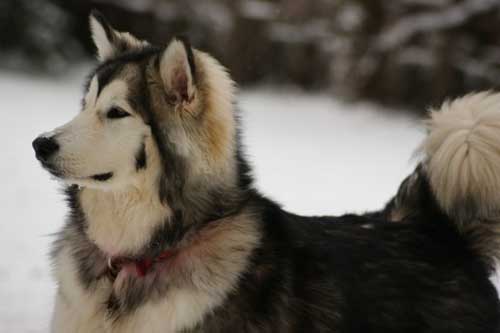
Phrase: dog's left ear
(109, 42)
(178, 72)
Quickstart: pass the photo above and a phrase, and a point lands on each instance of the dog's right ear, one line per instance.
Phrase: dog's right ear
(109, 42)
(177, 69)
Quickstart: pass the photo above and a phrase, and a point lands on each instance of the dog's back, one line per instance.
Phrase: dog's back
(421, 265)
(360, 274)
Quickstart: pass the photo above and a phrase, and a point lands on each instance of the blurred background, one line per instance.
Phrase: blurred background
(410, 53)
(332, 94)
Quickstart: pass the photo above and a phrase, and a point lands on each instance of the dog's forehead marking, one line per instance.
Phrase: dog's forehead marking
(115, 93)
(106, 74)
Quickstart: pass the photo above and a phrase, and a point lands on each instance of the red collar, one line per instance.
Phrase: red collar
(142, 266)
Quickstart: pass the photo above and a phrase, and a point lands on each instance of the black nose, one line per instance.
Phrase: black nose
(44, 148)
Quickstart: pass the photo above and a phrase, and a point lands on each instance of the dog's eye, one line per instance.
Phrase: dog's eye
(115, 113)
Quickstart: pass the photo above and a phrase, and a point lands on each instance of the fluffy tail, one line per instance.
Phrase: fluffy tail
(462, 166)
(462, 156)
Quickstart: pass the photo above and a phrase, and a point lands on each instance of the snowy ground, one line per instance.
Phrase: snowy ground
(311, 153)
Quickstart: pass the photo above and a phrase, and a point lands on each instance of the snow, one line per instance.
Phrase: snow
(31, 206)
(316, 155)
(300, 33)
(408, 26)
(258, 9)
(350, 17)
(313, 154)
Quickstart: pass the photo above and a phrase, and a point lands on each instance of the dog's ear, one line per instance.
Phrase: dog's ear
(178, 72)
(109, 42)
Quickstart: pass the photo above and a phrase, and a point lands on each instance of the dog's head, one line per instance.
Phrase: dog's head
(166, 111)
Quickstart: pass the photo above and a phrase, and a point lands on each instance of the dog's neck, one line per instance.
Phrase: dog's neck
(207, 261)
(127, 221)
(122, 222)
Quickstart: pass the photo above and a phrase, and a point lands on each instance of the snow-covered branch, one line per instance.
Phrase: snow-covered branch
(407, 27)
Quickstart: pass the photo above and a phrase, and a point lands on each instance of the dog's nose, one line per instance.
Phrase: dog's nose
(44, 148)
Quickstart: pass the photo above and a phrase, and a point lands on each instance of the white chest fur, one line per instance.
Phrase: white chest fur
(83, 311)
(207, 268)
(77, 310)
(122, 222)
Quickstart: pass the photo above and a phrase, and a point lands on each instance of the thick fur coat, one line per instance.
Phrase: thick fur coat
(166, 232)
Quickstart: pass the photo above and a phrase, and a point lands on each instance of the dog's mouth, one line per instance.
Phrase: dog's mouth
(100, 177)
(52, 169)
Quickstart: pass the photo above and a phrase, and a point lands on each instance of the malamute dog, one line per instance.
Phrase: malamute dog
(166, 232)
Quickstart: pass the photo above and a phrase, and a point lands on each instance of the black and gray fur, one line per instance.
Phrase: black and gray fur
(346, 274)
